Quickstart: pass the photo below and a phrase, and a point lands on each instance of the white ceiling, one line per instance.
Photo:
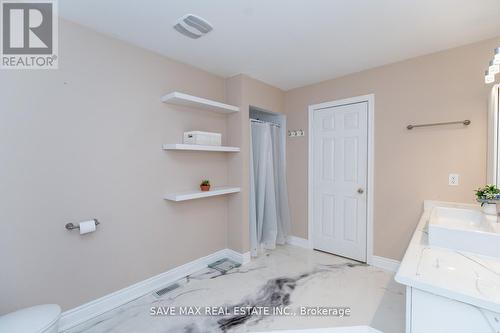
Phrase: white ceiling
(292, 43)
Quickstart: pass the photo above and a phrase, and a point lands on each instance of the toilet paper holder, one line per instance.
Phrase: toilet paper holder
(71, 226)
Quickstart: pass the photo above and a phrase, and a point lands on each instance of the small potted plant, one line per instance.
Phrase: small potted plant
(487, 196)
(205, 185)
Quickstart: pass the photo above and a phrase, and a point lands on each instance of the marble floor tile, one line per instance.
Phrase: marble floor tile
(289, 278)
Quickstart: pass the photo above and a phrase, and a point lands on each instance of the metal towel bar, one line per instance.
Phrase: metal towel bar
(463, 122)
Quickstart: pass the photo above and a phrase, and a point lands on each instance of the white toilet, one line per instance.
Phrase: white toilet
(37, 319)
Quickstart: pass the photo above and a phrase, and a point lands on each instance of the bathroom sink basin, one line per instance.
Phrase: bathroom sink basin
(465, 230)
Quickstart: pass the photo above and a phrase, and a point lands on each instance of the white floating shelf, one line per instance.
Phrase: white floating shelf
(180, 146)
(190, 195)
(182, 99)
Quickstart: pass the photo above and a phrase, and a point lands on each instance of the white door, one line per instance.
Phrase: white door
(340, 162)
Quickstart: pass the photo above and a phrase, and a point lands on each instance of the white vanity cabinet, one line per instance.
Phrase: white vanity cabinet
(451, 288)
(429, 313)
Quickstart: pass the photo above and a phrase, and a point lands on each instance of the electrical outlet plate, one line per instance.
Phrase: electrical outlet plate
(453, 179)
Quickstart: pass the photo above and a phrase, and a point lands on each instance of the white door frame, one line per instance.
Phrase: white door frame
(370, 99)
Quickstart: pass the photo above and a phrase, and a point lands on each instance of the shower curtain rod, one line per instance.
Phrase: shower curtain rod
(264, 122)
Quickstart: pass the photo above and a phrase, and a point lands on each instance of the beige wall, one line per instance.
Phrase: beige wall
(244, 91)
(85, 141)
(410, 166)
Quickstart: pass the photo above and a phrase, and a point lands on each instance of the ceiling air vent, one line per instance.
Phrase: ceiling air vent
(192, 26)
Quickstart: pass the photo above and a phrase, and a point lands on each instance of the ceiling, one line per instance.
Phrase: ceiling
(292, 43)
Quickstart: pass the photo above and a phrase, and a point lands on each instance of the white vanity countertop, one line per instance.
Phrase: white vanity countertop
(457, 275)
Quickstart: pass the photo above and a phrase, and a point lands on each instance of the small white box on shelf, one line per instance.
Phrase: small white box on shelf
(202, 138)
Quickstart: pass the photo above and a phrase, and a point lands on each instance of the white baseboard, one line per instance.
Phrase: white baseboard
(298, 241)
(376, 261)
(111, 301)
(385, 263)
(242, 258)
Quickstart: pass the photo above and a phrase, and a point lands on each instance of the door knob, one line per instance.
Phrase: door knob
(360, 190)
